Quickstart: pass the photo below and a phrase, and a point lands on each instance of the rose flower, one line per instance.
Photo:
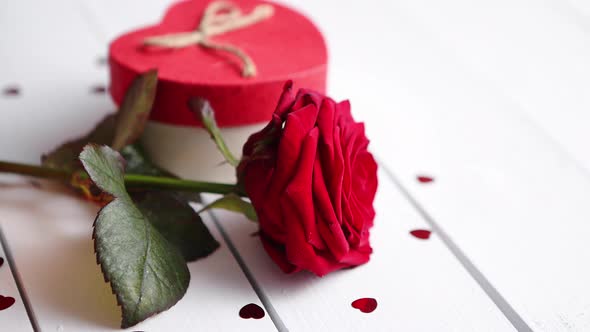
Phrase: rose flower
(312, 182)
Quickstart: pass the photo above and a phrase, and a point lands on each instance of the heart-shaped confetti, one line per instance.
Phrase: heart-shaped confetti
(98, 89)
(11, 91)
(422, 234)
(366, 304)
(424, 179)
(251, 311)
(6, 302)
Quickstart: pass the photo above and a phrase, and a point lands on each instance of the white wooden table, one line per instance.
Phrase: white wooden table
(489, 98)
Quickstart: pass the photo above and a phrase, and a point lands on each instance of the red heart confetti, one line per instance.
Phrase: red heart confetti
(422, 234)
(366, 304)
(251, 311)
(424, 179)
(99, 89)
(1, 261)
(11, 91)
(6, 302)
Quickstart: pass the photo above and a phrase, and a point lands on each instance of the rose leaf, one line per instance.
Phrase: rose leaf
(147, 273)
(178, 222)
(135, 109)
(66, 155)
(235, 203)
(119, 129)
(139, 163)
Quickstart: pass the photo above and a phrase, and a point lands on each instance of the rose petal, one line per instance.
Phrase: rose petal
(330, 154)
(357, 257)
(277, 254)
(296, 129)
(299, 190)
(286, 100)
(306, 97)
(298, 251)
(344, 116)
(257, 182)
(328, 224)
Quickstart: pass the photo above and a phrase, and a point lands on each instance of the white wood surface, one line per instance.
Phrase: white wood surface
(418, 284)
(489, 98)
(49, 232)
(48, 51)
(15, 317)
(122, 20)
(510, 197)
(53, 57)
(536, 54)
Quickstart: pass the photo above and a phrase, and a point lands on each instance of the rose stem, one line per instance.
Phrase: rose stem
(131, 180)
(33, 170)
(157, 182)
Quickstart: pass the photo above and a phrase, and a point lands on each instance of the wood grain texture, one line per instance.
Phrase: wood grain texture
(50, 238)
(490, 99)
(418, 284)
(505, 192)
(15, 317)
(535, 54)
(54, 59)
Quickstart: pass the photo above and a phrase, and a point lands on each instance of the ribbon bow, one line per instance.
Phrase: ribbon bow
(219, 17)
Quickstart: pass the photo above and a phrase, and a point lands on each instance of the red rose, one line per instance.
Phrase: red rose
(312, 182)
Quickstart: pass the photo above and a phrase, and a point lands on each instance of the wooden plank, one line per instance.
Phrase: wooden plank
(418, 284)
(49, 232)
(536, 53)
(504, 192)
(286, 317)
(52, 58)
(431, 115)
(13, 312)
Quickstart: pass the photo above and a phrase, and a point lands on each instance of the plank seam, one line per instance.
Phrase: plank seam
(272, 313)
(97, 30)
(18, 281)
(477, 275)
(93, 22)
(493, 85)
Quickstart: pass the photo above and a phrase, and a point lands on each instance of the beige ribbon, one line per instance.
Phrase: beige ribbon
(219, 17)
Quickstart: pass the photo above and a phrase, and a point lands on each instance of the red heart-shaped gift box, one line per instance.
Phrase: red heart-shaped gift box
(285, 46)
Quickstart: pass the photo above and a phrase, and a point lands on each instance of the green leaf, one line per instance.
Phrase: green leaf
(235, 203)
(139, 163)
(147, 273)
(135, 109)
(203, 110)
(178, 222)
(122, 128)
(119, 129)
(66, 155)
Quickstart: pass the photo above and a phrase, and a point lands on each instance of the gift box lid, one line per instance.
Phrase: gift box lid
(284, 45)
